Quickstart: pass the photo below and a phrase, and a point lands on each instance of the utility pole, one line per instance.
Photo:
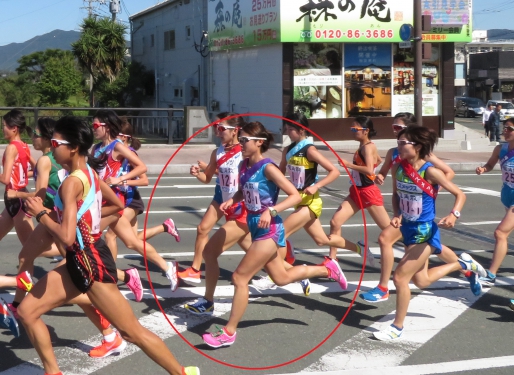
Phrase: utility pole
(114, 8)
(418, 65)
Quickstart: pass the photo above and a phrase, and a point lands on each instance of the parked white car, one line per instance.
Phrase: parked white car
(507, 110)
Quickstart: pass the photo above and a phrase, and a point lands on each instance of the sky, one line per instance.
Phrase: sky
(21, 20)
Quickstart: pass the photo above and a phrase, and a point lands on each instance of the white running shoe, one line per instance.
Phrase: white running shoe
(264, 283)
(171, 274)
(370, 258)
(389, 334)
(472, 265)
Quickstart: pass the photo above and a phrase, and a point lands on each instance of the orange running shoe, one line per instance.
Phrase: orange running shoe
(24, 281)
(290, 257)
(190, 275)
(108, 348)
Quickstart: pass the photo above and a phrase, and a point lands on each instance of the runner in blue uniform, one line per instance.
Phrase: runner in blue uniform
(415, 189)
(503, 153)
(390, 234)
(259, 183)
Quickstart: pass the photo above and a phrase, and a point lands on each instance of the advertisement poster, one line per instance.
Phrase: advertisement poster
(367, 79)
(243, 23)
(451, 20)
(343, 20)
(318, 80)
(403, 82)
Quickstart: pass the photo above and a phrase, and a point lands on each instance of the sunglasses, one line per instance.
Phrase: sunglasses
(96, 125)
(243, 140)
(57, 142)
(402, 142)
(124, 135)
(222, 128)
(399, 127)
(509, 128)
(35, 134)
(355, 129)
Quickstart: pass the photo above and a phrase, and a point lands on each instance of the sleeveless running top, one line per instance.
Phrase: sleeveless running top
(415, 204)
(507, 167)
(259, 192)
(361, 179)
(302, 172)
(19, 177)
(54, 181)
(88, 210)
(228, 173)
(129, 191)
(113, 167)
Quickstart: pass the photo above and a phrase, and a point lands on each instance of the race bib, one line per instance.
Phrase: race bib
(411, 205)
(228, 181)
(251, 196)
(508, 176)
(297, 175)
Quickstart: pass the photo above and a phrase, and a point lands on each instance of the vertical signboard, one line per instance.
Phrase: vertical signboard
(243, 23)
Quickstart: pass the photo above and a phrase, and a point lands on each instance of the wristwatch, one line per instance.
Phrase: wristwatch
(272, 211)
(456, 213)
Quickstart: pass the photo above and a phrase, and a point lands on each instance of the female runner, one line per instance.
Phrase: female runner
(89, 266)
(259, 183)
(227, 160)
(15, 176)
(363, 167)
(414, 192)
(222, 191)
(390, 234)
(107, 127)
(504, 154)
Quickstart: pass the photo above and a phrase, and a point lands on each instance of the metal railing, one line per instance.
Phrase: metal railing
(166, 124)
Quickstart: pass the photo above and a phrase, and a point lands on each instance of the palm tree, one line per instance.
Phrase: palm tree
(101, 50)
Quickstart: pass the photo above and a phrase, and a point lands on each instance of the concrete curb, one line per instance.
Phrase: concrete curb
(176, 169)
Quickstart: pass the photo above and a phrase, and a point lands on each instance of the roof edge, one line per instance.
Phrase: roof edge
(153, 8)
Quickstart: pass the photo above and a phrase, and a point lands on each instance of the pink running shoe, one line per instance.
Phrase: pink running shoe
(219, 338)
(134, 284)
(335, 272)
(172, 229)
(14, 310)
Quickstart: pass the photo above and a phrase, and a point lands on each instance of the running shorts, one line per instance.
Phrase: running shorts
(275, 231)
(14, 205)
(370, 196)
(237, 212)
(137, 203)
(507, 196)
(415, 232)
(314, 203)
(218, 197)
(91, 264)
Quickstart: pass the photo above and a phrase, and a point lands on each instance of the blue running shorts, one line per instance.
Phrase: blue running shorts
(275, 231)
(415, 232)
(507, 196)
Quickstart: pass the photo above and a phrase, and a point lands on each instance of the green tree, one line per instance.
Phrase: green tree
(101, 50)
(60, 80)
(129, 90)
(18, 91)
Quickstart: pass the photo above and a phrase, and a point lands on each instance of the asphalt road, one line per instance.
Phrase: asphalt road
(471, 122)
(447, 330)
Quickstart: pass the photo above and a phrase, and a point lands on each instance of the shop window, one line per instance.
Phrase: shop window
(473, 49)
(318, 80)
(484, 49)
(169, 40)
(497, 49)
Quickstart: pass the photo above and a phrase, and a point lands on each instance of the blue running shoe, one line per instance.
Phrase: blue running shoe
(474, 284)
(306, 286)
(471, 264)
(200, 307)
(489, 279)
(7, 319)
(375, 295)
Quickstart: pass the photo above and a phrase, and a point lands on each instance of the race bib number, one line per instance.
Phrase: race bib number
(508, 176)
(251, 196)
(356, 178)
(411, 205)
(228, 181)
(297, 175)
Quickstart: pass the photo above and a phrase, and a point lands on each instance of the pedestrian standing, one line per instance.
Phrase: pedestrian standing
(494, 124)
(485, 119)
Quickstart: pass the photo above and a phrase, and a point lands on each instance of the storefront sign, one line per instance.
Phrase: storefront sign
(447, 12)
(343, 20)
(243, 23)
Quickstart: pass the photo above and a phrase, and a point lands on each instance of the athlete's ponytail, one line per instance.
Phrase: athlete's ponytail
(128, 131)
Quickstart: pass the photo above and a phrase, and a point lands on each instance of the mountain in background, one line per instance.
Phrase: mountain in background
(11, 53)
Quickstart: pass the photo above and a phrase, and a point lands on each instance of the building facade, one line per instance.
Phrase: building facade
(332, 59)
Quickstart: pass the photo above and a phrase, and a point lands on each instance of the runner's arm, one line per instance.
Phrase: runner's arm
(369, 156)
(381, 176)
(283, 161)
(333, 173)
(113, 203)
(206, 175)
(138, 167)
(495, 156)
(441, 165)
(293, 197)
(10, 155)
(43, 167)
